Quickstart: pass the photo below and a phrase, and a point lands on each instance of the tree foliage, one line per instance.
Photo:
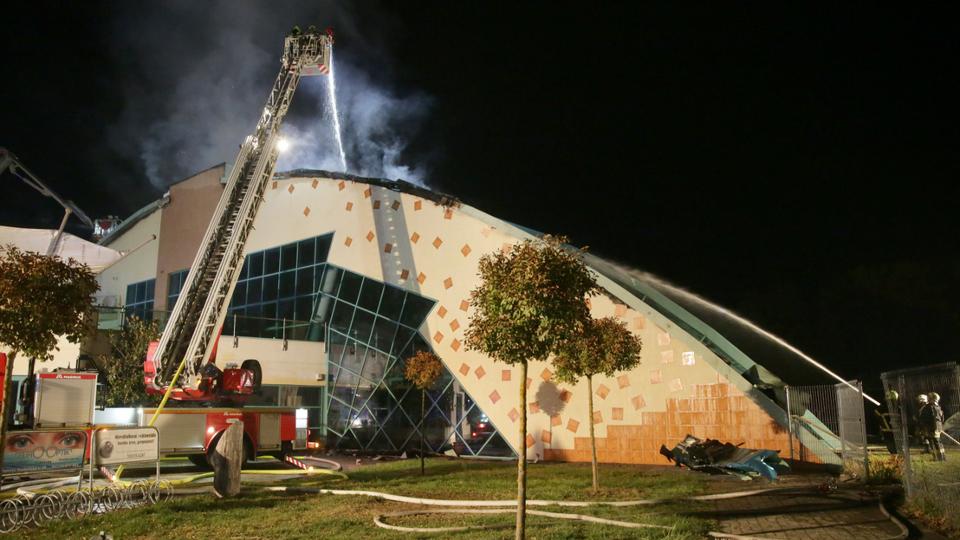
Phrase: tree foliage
(530, 300)
(42, 299)
(423, 369)
(124, 365)
(602, 346)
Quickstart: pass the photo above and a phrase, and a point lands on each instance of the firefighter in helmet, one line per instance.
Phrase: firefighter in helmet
(936, 424)
(924, 422)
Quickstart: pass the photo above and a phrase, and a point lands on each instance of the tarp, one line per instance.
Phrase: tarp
(70, 246)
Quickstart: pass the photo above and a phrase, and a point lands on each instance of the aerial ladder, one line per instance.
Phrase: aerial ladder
(181, 365)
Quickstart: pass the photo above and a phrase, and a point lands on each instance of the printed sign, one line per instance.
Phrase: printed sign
(130, 445)
(33, 451)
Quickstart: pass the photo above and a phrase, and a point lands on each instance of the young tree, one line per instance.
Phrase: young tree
(531, 299)
(602, 346)
(423, 369)
(124, 365)
(41, 299)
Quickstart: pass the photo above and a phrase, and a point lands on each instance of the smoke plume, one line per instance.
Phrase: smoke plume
(200, 72)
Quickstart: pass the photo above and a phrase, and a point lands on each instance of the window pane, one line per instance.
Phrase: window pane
(362, 325)
(330, 281)
(270, 288)
(239, 294)
(141, 292)
(285, 309)
(304, 306)
(131, 294)
(392, 302)
(342, 315)
(288, 257)
(370, 295)
(383, 334)
(173, 284)
(243, 268)
(254, 287)
(305, 281)
(151, 285)
(306, 251)
(256, 264)
(323, 247)
(271, 261)
(415, 310)
(269, 310)
(350, 287)
(287, 282)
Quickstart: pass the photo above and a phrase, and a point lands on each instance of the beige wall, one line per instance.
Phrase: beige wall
(185, 220)
(138, 265)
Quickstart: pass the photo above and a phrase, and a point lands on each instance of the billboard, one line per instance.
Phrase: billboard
(44, 450)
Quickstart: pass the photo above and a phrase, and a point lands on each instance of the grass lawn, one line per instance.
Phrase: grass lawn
(259, 514)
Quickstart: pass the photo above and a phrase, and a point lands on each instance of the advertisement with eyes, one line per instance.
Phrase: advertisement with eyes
(30, 451)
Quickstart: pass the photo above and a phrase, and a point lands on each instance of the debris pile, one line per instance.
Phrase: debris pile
(715, 457)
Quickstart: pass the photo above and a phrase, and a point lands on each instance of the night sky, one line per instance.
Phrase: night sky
(797, 165)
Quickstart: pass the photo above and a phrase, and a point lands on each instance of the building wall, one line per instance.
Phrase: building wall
(184, 221)
(416, 244)
(139, 265)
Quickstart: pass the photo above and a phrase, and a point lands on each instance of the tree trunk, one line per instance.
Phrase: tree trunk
(8, 400)
(227, 460)
(593, 440)
(423, 397)
(522, 458)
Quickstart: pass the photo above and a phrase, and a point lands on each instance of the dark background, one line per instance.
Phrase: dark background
(796, 165)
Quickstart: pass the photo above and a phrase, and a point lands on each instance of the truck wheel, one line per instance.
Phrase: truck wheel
(200, 460)
(254, 367)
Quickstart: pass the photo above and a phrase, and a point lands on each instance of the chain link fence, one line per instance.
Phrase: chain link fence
(827, 426)
(926, 432)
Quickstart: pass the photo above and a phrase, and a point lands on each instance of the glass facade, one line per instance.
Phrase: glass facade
(174, 286)
(139, 300)
(369, 328)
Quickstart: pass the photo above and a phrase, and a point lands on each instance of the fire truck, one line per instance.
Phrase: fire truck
(182, 366)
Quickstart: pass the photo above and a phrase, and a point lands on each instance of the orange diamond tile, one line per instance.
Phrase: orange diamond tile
(349, 206)
(505, 375)
(597, 417)
(447, 214)
(370, 236)
(656, 376)
(341, 185)
(464, 369)
(638, 402)
(366, 193)
(387, 248)
(617, 413)
(464, 305)
(437, 242)
(421, 278)
(404, 274)
(513, 414)
(447, 283)
(274, 186)
(623, 381)
(465, 250)
(602, 391)
(395, 205)
(417, 205)
(306, 210)
(455, 345)
(376, 204)
(290, 188)
(638, 323)
(534, 407)
(480, 372)
(494, 396)
(546, 374)
(438, 337)
(565, 396)
(530, 441)
(442, 312)
(314, 183)
(573, 425)
(620, 310)
(454, 324)
(546, 436)
(348, 241)
(414, 237)
(555, 420)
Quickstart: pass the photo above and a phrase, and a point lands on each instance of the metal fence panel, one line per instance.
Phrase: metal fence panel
(853, 429)
(814, 424)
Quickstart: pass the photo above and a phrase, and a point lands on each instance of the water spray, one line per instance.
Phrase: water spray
(646, 276)
(332, 97)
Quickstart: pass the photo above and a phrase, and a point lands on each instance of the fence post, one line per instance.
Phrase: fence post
(905, 437)
(789, 421)
(863, 434)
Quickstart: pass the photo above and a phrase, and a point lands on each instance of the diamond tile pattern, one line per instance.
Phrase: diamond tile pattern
(603, 391)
